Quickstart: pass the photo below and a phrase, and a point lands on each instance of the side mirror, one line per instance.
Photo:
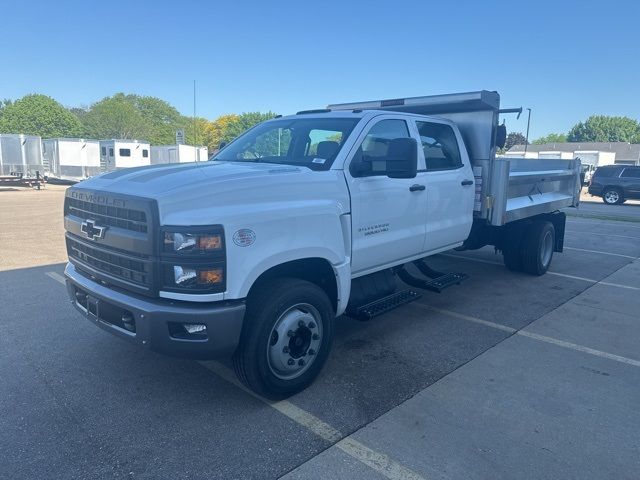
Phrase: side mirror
(402, 158)
(501, 136)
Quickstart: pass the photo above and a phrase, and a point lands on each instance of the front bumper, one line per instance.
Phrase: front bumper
(155, 321)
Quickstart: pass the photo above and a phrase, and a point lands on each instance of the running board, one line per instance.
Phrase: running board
(385, 304)
(437, 282)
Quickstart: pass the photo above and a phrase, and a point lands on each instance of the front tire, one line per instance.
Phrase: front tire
(612, 196)
(286, 338)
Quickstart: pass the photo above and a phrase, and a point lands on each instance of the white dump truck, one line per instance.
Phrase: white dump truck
(302, 219)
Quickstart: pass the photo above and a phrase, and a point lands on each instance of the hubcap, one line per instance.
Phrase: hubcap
(547, 249)
(295, 338)
(611, 196)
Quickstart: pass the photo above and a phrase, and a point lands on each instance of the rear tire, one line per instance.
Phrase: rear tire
(286, 338)
(537, 247)
(612, 196)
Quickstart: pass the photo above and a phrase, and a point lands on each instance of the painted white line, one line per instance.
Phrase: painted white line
(597, 221)
(57, 277)
(557, 274)
(579, 348)
(535, 336)
(588, 234)
(600, 252)
(377, 461)
(468, 318)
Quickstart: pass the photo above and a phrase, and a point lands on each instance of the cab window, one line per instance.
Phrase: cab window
(440, 147)
(371, 157)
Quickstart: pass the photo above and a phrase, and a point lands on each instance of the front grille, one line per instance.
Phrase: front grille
(126, 218)
(131, 269)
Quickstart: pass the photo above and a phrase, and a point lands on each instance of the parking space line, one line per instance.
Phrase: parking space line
(534, 336)
(621, 223)
(468, 318)
(381, 463)
(602, 234)
(600, 252)
(57, 277)
(557, 274)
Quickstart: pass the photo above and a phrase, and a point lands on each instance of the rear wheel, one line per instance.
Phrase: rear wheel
(612, 196)
(286, 338)
(537, 247)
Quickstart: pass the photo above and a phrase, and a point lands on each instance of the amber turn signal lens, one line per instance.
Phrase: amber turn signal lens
(209, 242)
(209, 277)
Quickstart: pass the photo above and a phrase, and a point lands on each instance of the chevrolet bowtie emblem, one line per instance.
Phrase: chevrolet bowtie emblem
(91, 230)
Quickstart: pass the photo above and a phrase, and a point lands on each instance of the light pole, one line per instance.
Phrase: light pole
(526, 142)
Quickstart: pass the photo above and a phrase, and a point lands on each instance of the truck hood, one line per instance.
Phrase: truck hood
(214, 192)
(158, 181)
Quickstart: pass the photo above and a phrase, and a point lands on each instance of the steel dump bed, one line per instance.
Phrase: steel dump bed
(507, 189)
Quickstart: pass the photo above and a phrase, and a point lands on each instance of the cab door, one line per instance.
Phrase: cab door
(450, 189)
(387, 214)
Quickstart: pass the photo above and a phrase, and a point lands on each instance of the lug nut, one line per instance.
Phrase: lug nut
(311, 351)
(316, 336)
(312, 325)
(285, 349)
(301, 362)
(301, 323)
(290, 333)
(291, 361)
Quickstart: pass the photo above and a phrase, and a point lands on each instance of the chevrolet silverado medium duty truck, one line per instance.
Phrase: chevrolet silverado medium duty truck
(302, 219)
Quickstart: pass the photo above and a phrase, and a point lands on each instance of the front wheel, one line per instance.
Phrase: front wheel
(286, 338)
(612, 196)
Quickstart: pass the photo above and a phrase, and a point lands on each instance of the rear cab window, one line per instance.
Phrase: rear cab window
(440, 146)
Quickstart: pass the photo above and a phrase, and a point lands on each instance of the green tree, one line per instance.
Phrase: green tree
(39, 115)
(551, 138)
(160, 118)
(602, 128)
(115, 117)
(514, 138)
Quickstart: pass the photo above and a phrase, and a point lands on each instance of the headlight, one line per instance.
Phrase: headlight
(193, 259)
(192, 243)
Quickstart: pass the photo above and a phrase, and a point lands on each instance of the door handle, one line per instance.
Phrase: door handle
(466, 183)
(415, 187)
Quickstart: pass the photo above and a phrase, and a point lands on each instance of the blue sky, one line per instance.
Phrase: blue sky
(565, 60)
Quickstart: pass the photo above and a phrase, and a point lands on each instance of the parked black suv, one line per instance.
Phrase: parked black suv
(616, 183)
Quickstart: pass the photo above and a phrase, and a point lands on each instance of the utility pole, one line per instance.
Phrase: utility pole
(195, 135)
(526, 142)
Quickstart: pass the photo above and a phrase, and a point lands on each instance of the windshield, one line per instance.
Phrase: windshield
(307, 142)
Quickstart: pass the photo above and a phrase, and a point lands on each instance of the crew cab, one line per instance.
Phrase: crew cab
(302, 219)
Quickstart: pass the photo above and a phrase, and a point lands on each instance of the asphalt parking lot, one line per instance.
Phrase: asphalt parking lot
(508, 376)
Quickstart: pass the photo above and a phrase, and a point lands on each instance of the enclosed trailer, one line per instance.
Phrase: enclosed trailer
(20, 155)
(71, 159)
(117, 154)
(178, 154)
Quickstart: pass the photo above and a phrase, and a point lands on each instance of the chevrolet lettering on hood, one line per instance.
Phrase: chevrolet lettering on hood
(100, 199)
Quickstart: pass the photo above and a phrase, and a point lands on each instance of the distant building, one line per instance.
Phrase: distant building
(596, 153)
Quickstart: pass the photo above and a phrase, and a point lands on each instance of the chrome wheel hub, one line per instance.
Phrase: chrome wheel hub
(294, 341)
(612, 196)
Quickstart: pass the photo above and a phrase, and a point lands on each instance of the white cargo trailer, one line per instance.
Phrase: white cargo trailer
(20, 155)
(178, 154)
(71, 159)
(117, 154)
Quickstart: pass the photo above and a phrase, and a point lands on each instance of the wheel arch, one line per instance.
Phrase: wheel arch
(316, 270)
